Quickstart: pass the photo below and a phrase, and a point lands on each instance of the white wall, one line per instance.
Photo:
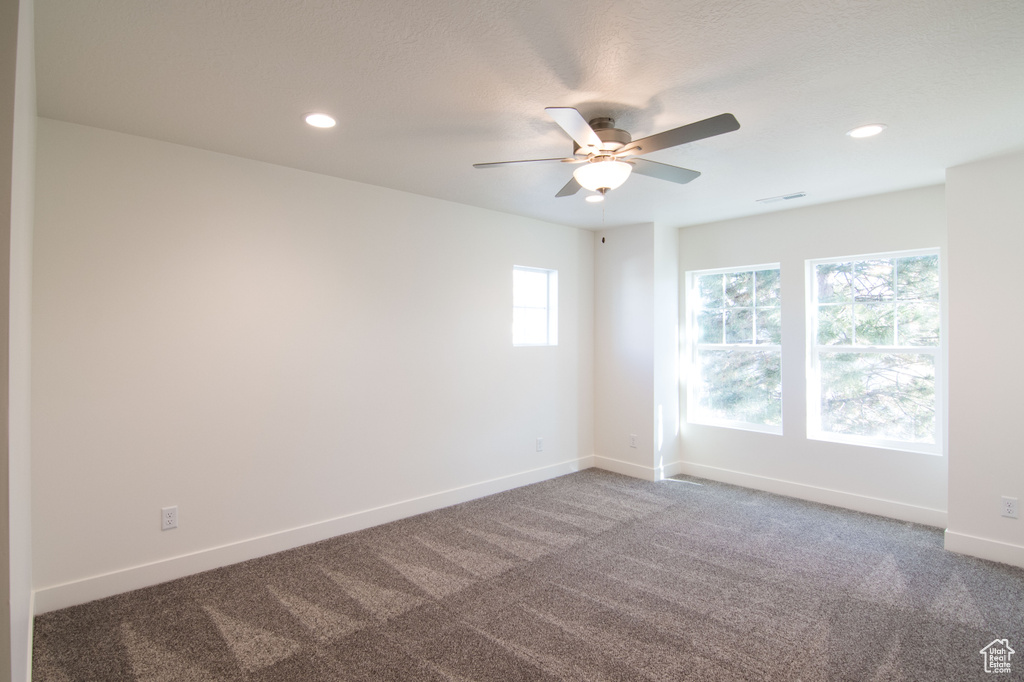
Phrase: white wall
(624, 307)
(636, 323)
(666, 348)
(986, 458)
(283, 355)
(19, 131)
(898, 484)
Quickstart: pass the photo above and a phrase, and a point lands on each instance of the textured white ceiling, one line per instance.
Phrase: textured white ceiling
(422, 90)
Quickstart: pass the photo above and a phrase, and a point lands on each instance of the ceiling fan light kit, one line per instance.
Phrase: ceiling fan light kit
(602, 173)
(600, 147)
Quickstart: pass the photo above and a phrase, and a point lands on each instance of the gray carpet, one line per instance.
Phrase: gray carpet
(590, 577)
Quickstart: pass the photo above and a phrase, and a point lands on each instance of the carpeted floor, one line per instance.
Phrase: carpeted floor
(590, 577)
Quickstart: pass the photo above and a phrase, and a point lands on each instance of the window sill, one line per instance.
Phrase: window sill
(738, 426)
(934, 449)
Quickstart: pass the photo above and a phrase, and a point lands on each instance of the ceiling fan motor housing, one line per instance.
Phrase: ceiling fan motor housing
(611, 137)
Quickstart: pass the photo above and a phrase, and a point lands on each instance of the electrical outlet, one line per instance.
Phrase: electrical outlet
(1009, 507)
(540, 445)
(633, 440)
(168, 518)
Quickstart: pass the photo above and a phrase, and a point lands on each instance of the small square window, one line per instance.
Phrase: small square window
(534, 306)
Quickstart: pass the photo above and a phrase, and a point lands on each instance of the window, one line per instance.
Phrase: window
(875, 371)
(534, 306)
(735, 332)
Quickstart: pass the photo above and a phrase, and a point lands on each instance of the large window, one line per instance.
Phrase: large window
(534, 306)
(875, 370)
(735, 332)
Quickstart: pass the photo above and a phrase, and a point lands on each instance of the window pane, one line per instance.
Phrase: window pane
(918, 323)
(873, 280)
(711, 291)
(875, 324)
(769, 290)
(835, 325)
(710, 326)
(739, 326)
(740, 385)
(834, 282)
(769, 325)
(878, 395)
(529, 326)
(529, 288)
(918, 278)
(739, 289)
(534, 306)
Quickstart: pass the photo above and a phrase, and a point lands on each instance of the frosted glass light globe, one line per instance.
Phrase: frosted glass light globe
(597, 175)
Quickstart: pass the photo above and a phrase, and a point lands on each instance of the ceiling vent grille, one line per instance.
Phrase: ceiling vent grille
(784, 197)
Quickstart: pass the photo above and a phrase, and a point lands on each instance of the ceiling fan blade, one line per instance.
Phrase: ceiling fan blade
(663, 171)
(505, 163)
(572, 122)
(570, 188)
(709, 127)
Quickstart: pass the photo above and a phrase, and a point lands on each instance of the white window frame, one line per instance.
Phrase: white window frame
(551, 306)
(938, 353)
(693, 413)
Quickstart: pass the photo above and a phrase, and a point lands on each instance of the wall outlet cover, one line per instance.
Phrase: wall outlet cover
(168, 518)
(1009, 507)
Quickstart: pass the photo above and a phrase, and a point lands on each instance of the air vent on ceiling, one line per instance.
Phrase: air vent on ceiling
(784, 197)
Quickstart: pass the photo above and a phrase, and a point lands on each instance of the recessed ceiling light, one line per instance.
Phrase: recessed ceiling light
(320, 120)
(594, 198)
(867, 131)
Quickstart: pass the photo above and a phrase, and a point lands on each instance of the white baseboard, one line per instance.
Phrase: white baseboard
(31, 634)
(983, 548)
(837, 498)
(672, 469)
(124, 580)
(617, 466)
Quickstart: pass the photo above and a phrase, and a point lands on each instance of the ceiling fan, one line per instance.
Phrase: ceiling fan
(606, 155)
